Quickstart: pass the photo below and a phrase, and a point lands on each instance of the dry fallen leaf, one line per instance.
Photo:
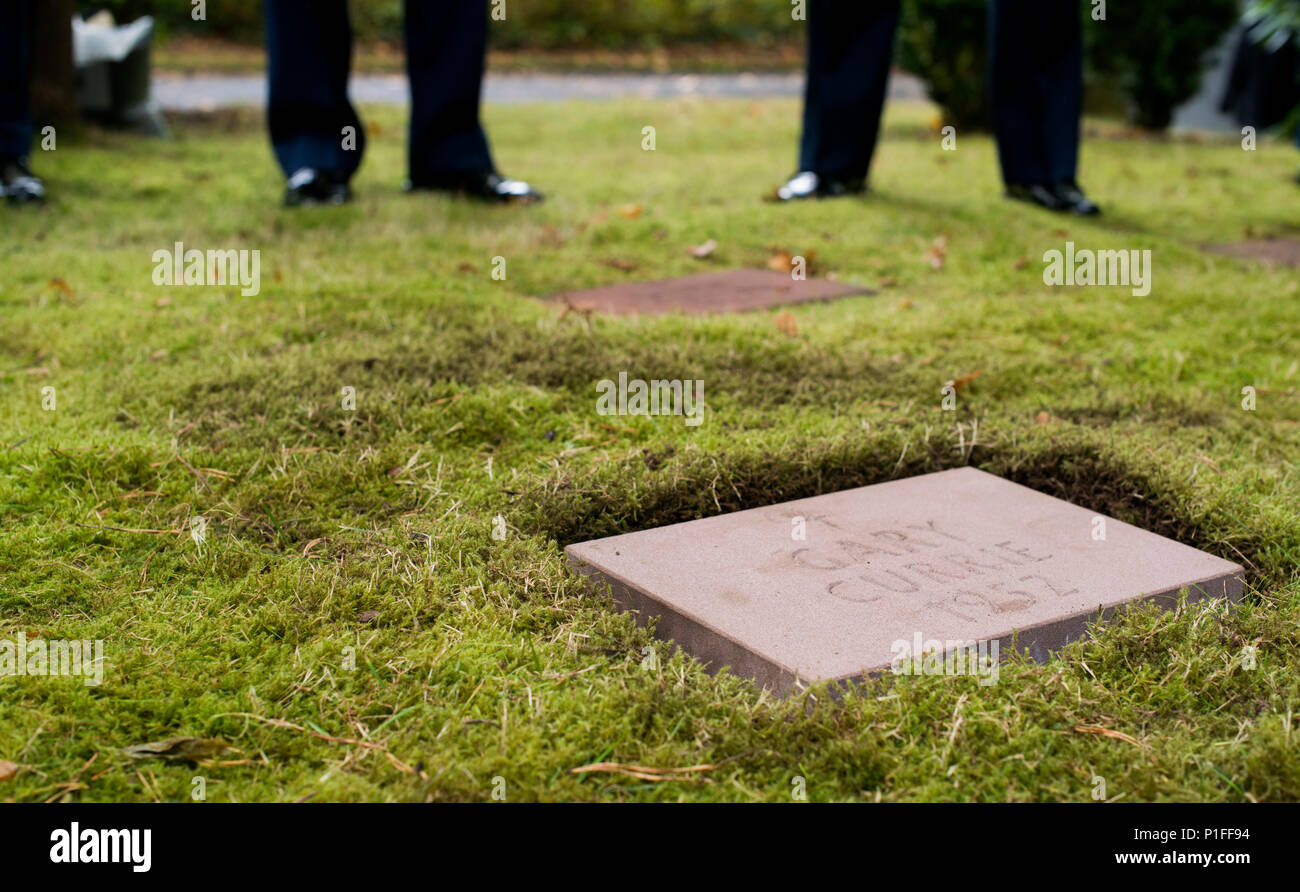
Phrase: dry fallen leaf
(786, 324)
(1107, 732)
(938, 252)
(958, 384)
(888, 281)
(622, 265)
(466, 267)
(1211, 462)
(7, 770)
(785, 261)
(642, 772)
(782, 262)
(631, 211)
(699, 252)
(1021, 263)
(62, 286)
(158, 355)
(179, 749)
(163, 302)
(905, 304)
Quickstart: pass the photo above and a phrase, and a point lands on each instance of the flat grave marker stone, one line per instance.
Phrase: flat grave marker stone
(959, 555)
(732, 291)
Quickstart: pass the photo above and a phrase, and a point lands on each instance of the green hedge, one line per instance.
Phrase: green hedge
(1153, 51)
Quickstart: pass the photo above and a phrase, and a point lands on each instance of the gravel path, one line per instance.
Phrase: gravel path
(206, 92)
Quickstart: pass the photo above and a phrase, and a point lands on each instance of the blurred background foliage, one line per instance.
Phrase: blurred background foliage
(537, 24)
(945, 42)
(1148, 56)
(1154, 52)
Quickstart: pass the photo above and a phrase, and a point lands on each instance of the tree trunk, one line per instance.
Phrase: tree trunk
(54, 77)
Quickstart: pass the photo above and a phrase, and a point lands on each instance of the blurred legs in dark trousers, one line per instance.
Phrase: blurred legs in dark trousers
(850, 49)
(1036, 67)
(309, 44)
(17, 183)
(445, 46)
(15, 61)
(309, 58)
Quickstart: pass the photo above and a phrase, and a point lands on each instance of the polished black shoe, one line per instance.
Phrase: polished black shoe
(19, 185)
(807, 184)
(1037, 193)
(309, 187)
(481, 185)
(1075, 201)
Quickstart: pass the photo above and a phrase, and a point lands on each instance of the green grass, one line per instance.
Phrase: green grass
(476, 658)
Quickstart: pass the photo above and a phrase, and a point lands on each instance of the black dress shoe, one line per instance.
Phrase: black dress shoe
(309, 187)
(18, 185)
(481, 185)
(807, 184)
(1037, 193)
(1074, 199)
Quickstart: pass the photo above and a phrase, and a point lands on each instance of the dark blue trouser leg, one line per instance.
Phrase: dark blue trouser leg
(1036, 62)
(850, 49)
(309, 50)
(445, 45)
(15, 60)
